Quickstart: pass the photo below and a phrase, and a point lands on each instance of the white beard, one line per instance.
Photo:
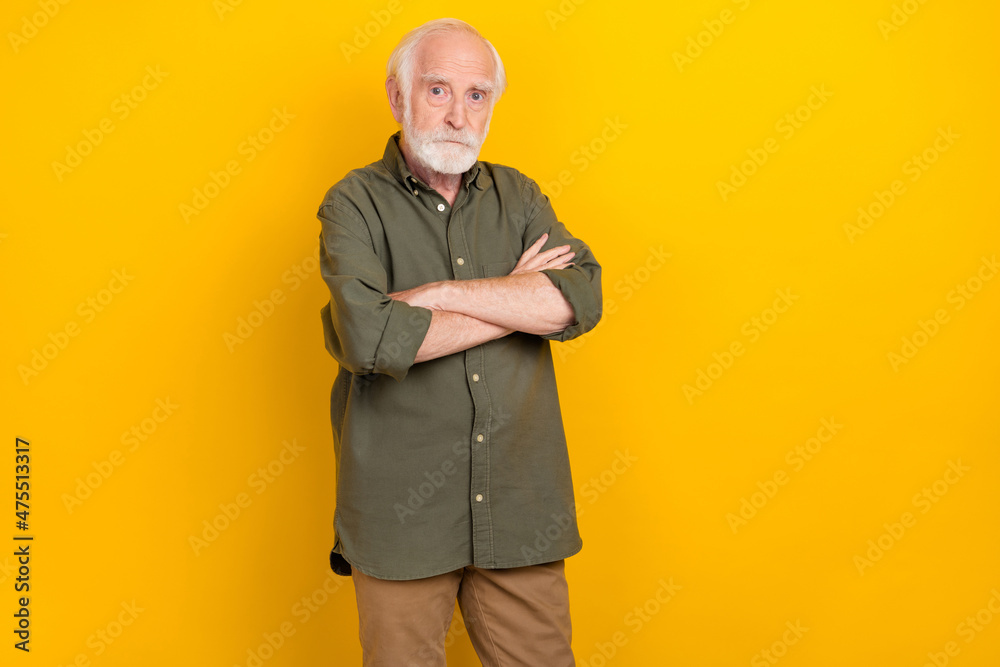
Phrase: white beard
(432, 150)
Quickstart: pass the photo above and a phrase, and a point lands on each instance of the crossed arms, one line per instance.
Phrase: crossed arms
(554, 293)
(467, 313)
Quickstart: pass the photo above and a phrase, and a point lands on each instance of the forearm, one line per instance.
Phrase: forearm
(527, 302)
(452, 332)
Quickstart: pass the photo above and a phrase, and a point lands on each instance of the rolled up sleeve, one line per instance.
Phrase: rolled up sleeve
(366, 331)
(580, 284)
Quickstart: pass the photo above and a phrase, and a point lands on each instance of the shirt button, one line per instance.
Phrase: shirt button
(479, 438)
(460, 261)
(475, 377)
(415, 192)
(479, 497)
(440, 207)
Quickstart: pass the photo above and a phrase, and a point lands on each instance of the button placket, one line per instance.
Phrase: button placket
(479, 436)
(482, 413)
(458, 249)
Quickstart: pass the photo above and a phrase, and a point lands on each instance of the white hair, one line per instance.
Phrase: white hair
(401, 63)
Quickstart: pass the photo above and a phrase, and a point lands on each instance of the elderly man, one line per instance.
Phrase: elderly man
(448, 277)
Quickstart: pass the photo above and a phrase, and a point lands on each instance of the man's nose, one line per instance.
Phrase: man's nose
(456, 116)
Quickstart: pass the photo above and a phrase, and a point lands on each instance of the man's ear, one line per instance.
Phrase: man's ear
(395, 96)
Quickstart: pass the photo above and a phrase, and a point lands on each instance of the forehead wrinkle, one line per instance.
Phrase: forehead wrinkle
(481, 66)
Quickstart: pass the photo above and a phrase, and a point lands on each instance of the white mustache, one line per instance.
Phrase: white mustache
(462, 138)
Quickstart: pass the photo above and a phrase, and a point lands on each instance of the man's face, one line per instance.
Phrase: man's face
(447, 114)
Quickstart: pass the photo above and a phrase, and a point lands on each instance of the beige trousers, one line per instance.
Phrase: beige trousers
(515, 617)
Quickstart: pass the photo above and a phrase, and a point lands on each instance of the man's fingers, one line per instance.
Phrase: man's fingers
(543, 258)
(554, 253)
(539, 242)
(560, 262)
(531, 251)
(549, 257)
(553, 258)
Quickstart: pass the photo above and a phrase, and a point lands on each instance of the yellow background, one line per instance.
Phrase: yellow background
(648, 186)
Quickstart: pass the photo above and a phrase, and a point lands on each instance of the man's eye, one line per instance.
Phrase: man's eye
(478, 97)
(437, 90)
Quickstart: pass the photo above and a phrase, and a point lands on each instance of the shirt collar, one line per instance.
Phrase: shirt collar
(396, 164)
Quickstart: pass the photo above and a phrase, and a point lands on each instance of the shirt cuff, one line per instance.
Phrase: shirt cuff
(404, 331)
(578, 290)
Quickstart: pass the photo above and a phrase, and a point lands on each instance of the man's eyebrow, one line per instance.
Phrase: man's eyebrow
(433, 77)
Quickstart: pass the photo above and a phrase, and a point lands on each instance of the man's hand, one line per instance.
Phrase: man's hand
(429, 295)
(524, 300)
(553, 258)
(433, 295)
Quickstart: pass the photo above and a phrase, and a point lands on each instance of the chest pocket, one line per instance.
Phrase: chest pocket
(496, 269)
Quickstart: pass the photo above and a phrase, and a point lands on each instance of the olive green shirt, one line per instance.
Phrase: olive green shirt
(460, 460)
